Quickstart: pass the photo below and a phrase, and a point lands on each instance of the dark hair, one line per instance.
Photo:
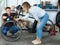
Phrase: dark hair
(7, 8)
(27, 4)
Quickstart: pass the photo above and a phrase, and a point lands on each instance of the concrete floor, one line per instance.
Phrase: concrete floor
(28, 37)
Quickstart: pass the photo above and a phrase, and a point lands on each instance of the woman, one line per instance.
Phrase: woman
(40, 16)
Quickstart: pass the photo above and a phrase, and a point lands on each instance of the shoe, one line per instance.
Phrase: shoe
(36, 42)
(8, 33)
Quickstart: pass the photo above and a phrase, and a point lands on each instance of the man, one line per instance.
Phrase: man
(7, 17)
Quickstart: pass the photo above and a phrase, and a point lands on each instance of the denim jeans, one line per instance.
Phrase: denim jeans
(43, 21)
(13, 28)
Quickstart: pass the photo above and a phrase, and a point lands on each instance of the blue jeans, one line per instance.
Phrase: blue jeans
(43, 21)
(14, 29)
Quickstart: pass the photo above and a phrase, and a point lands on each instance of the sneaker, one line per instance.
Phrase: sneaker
(36, 42)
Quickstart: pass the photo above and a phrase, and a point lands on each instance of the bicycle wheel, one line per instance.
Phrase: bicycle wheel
(11, 37)
(49, 26)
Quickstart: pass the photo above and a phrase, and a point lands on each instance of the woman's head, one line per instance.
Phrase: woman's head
(26, 6)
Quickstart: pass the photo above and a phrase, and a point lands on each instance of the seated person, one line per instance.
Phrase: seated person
(7, 17)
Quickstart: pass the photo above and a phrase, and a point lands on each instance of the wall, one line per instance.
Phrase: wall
(2, 6)
(52, 15)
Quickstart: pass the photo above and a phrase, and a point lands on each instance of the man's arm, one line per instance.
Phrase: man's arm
(3, 18)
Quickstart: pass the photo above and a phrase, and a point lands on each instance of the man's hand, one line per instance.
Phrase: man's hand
(4, 17)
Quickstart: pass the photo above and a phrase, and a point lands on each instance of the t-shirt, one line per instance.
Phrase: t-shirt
(11, 17)
(36, 12)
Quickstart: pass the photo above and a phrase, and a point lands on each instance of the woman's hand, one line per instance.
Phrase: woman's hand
(38, 21)
(17, 19)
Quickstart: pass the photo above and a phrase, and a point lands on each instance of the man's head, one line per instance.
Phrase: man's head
(26, 6)
(8, 10)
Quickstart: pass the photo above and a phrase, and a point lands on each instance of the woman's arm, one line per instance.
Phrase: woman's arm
(23, 18)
